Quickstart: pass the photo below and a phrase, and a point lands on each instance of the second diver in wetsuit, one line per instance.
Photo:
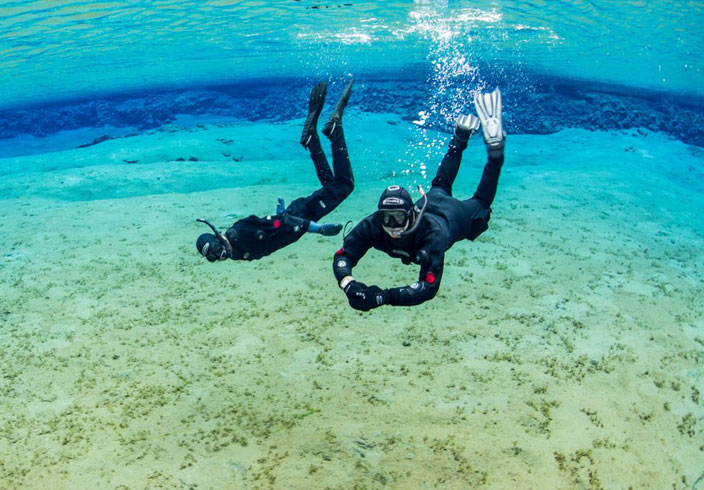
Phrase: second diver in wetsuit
(420, 233)
(253, 237)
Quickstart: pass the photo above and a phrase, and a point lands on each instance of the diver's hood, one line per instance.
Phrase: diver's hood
(415, 211)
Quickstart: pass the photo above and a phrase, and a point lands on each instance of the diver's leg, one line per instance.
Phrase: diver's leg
(465, 126)
(315, 105)
(328, 197)
(341, 160)
(489, 110)
(335, 188)
(309, 136)
(478, 208)
(320, 161)
(336, 118)
(316, 205)
(450, 165)
(475, 218)
(486, 190)
(343, 184)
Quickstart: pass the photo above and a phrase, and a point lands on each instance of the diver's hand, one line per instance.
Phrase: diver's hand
(330, 229)
(365, 298)
(280, 206)
(352, 287)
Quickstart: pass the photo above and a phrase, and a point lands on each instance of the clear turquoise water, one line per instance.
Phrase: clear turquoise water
(58, 49)
(563, 343)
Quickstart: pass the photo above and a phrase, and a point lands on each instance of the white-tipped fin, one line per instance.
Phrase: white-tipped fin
(465, 126)
(488, 108)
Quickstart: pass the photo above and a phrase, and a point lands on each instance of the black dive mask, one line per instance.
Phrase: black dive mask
(213, 247)
(397, 212)
(394, 218)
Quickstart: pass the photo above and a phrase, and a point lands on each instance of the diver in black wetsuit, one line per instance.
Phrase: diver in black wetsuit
(252, 238)
(420, 233)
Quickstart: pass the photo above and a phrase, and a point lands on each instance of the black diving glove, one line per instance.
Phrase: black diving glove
(327, 229)
(352, 287)
(330, 229)
(365, 298)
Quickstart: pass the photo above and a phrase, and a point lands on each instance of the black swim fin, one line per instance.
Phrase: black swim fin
(315, 105)
(336, 118)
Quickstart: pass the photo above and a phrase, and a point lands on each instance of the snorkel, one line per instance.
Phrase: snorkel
(219, 237)
(419, 216)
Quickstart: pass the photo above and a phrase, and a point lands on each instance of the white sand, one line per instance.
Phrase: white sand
(564, 350)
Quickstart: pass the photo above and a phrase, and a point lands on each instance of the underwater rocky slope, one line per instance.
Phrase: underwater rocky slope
(533, 105)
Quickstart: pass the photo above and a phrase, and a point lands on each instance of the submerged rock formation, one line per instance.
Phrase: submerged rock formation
(540, 105)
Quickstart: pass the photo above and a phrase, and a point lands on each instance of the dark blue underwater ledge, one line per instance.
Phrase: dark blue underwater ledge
(537, 105)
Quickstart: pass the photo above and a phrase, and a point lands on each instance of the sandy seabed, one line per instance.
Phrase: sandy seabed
(564, 350)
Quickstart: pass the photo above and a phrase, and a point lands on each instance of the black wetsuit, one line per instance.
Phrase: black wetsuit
(253, 237)
(446, 220)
